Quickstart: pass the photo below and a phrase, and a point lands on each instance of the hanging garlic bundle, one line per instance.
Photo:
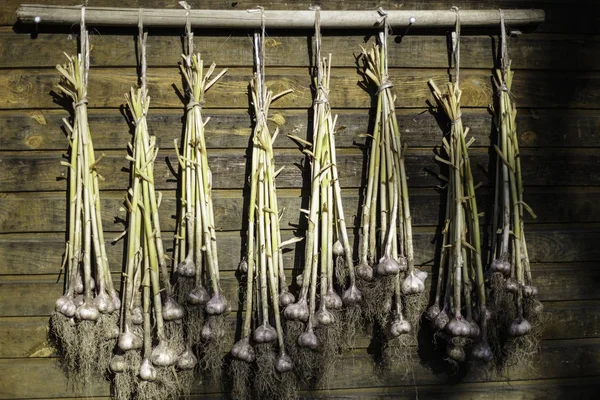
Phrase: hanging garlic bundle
(151, 360)
(84, 323)
(195, 253)
(518, 315)
(266, 289)
(458, 313)
(394, 288)
(316, 337)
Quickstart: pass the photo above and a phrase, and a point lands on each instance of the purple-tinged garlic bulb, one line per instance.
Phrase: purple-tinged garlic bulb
(264, 334)
(129, 341)
(78, 300)
(66, 306)
(103, 303)
(163, 355)
(283, 363)
(352, 296)
(242, 350)
(530, 291)
(243, 266)
(286, 298)
(147, 371)
(501, 265)
(338, 249)
(87, 312)
(512, 286)
(399, 326)
(457, 353)
(482, 351)
(198, 296)
(308, 340)
(186, 360)
(324, 316)
(421, 275)
(332, 300)
(297, 311)
(364, 272)
(412, 284)
(475, 331)
(387, 266)
(172, 310)
(186, 268)
(217, 305)
(457, 326)
(117, 363)
(137, 316)
(519, 327)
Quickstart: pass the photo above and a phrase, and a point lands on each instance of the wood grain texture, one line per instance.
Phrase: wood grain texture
(533, 51)
(562, 359)
(33, 88)
(43, 129)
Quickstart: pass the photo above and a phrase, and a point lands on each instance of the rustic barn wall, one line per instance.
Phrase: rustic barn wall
(557, 84)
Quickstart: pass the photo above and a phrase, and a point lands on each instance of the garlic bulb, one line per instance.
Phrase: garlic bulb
(338, 249)
(512, 286)
(172, 310)
(530, 291)
(308, 340)
(324, 316)
(163, 355)
(283, 363)
(458, 327)
(198, 296)
(421, 275)
(457, 353)
(103, 303)
(441, 320)
(78, 300)
(87, 312)
(399, 326)
(387, 266)
(332, 300)
(243, 266)
(297, 311)
(519, 327)
(242, 350)
(66, 306)
(80, 288)
(286, 298)
(129, 341)
(501, 265)
(217, 305)
(117, 363)
(114, 296)
(412, 284)
(364, 272)
(186, 360)
(482, 351)
(137, 316)
(475, 331)
(147, 371)
(186, 268)
(264, 334)
(432, 312)
(352, 296)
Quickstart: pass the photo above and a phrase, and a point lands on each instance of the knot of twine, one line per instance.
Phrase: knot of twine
(456, 120)
(384, 85)
(80, 102)
(137, 121)
(193, 103)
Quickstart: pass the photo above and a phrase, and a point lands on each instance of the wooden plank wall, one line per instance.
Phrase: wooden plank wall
(557, 84)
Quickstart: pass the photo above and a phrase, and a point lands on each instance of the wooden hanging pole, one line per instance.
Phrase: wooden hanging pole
(274, 19)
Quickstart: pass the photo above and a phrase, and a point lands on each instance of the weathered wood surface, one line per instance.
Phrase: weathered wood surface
(46, 212)
(559, 13)
(43, 129)
(561, 359)
(41, 171)
(22, 337)
(546, 244)
(32, 88)
(533, 51)
(35, 295)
